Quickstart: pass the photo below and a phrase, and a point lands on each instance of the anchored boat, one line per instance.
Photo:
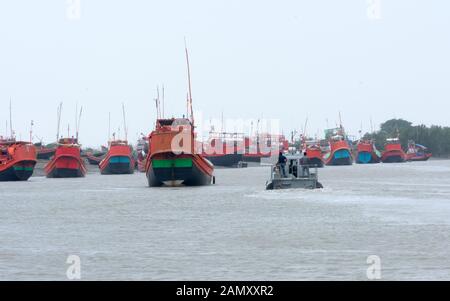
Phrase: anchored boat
(67, 162)
(17, 160)
(44, 152)
(340, 151)
(297, 175)
(173, 159)
(224, 149)
(393, 152)
(118, 160)
(417, 152)
(142, 149)
(313, 153)
(366, 152)
(95, 159)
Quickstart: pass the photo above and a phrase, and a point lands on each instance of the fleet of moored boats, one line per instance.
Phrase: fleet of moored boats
(172, 156)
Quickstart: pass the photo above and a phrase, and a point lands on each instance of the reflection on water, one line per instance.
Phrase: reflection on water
(234, 230)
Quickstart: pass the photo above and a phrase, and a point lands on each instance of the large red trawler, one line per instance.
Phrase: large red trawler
(17, 160)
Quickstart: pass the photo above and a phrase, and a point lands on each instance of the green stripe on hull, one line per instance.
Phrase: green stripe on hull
(21, 168)
(169, 163)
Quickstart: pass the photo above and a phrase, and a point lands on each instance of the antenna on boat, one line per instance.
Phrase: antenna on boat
(190, 109)
(76, 118)
(59, 111)
(10, 119)
(304, 129)
(78, 123)
(109, 126)
(31, 131)
(371, 124)
(163, 101)
(158, 111)
(124, 122)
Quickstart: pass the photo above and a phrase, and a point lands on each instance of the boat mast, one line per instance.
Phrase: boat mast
(76, 119)
(78, 124)
(109, 126)
(163, 101)
(10, 119)
(190, 109)
(31, 131)
(158, 111)
(124, 122)
(59, 111)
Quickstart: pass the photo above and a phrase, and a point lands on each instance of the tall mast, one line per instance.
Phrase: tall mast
(124, 123)
(59, 111)
(163, 100)
(10, 118)
(31, 131)
(109, 126)
(76, 119)
(78, 123)
(190, 109)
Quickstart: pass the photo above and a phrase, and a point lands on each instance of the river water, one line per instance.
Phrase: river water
(235, 230)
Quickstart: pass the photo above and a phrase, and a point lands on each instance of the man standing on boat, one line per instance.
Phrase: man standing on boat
(304, 163)
(282, 164)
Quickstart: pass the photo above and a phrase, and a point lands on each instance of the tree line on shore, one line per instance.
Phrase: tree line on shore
(436, 138)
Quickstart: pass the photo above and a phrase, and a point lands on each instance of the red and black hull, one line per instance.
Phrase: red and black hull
(118, 160)
(67, 163)
(175, 176)
(45, 154)
(117, 169)
(226, 160)
(66, 173)
(20, 171)
(17, 161)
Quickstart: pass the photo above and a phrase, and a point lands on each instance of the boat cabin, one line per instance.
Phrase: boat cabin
(297, 174)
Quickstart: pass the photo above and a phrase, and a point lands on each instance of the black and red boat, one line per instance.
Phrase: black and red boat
(44, 152)
(313, 153)
(17, 160)
(393, 152)
(224, 149)
(95, 158)
(118, 159)
(175, 157)
(67, 161)
(264, 146)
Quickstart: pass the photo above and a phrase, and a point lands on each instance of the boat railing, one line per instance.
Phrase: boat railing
(296, 172)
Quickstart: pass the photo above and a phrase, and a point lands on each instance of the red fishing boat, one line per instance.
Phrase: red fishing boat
(224, 149)
(118, 160)
(95, 159)
(67, 162)
(393, 152)
(366, 152)
(417, 152)
(44, 152)
(142, 149)
(17, 160)
(174, 157)
(264, 146)
(340, 152)
(313, 153)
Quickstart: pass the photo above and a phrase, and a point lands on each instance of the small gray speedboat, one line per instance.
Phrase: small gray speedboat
(297, 175)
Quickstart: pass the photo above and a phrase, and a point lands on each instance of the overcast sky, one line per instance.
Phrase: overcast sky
(286, 60)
